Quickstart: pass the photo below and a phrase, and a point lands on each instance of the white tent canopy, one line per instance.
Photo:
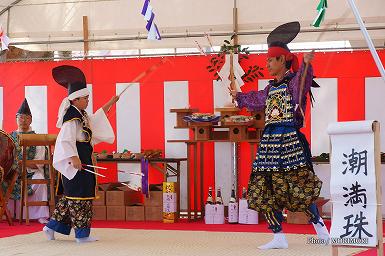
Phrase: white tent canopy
(117, 24)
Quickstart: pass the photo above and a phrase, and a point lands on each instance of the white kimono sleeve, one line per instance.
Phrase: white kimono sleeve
(101, 128)
(65, 148)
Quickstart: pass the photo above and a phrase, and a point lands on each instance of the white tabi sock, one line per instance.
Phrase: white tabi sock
(50, 233)
(86, 239)
(43, 220)
(322, 231)
(279, 242)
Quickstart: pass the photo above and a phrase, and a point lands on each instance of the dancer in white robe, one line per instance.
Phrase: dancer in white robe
(79, 132)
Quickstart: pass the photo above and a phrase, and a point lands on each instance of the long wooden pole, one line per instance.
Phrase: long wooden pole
(235, 22)
(235, 42)
(232, 79)
(233, 87)
(377, 155)
(143, 74)
(86, 46)
(301, 86)
(140, 76)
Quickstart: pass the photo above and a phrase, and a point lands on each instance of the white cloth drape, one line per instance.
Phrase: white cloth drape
(40, 192)
(224, 73)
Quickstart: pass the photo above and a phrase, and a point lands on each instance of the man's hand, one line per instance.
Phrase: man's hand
(31, 166)
(109, 104)
(233, 93)
(308, 57)
(76, 163)
(114, 99)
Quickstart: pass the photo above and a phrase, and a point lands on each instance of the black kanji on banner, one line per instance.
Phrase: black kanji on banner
(357, 195)
(358, 224)
(355, 161)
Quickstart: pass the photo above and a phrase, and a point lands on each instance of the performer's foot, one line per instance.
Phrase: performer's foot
(50, 233)
(42, 220)
(279, 242)
(322, 231)
(86, 239)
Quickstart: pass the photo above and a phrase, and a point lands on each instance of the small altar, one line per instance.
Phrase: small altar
(204, 132)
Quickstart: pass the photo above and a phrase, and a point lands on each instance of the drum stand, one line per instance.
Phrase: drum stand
(4, 199)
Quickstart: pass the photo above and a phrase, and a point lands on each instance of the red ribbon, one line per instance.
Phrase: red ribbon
(276, 51)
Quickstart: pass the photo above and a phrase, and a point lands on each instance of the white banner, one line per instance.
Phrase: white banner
(224, 73)
(353, 184)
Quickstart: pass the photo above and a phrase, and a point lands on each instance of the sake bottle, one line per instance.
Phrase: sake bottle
(209, 199)
(233, 208)
(232, 197)
(244, 193)
(218, 199)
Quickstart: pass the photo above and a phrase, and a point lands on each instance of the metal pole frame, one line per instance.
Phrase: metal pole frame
(367, 38)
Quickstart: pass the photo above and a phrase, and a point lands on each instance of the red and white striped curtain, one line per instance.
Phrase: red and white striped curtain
(351, 89)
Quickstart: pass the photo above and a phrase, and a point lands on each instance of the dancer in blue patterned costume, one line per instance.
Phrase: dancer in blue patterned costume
(282, 173)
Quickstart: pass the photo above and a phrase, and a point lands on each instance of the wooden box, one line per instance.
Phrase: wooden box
(180, 113)
(254, 134)
(99, 212)
(297, 218)
(100, 198)
(227, 112)
(123, 196)
(238, 132)
(202, 130)
(116, 198)
(153, 213)
(116, 212)
(301, 217)
(259, 121)
(135, 213)
(219, 134)
(155, 199)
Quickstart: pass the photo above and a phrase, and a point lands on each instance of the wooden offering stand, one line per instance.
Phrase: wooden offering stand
(180, 113)
(240, 131)
(204, 132)
(227, 112)
(227, 131)
(259, 120)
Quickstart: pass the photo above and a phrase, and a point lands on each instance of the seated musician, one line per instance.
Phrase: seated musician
(36, 192)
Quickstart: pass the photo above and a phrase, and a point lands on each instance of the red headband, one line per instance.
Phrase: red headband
(276, 51)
